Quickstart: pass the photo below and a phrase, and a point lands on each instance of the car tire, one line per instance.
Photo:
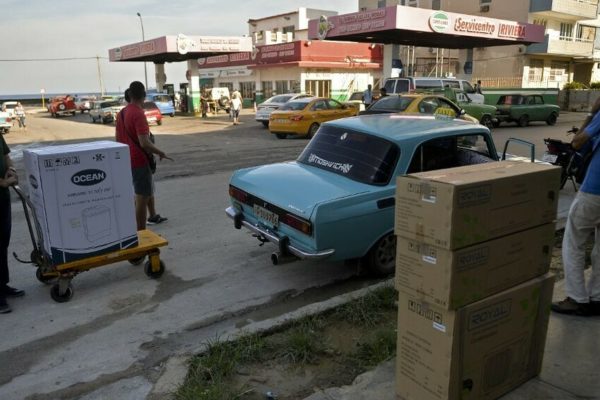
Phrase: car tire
(552, 119)
(496, 124)
(265, 123)
(486, 121)
(312, 130)
(523, 121)
(380, 261)
(172, 115)
(281, 135)
(159, 122)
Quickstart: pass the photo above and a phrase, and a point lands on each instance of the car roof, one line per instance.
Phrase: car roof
(398, 127)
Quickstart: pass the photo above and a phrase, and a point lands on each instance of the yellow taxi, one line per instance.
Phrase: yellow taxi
(418, 104)
(303, 116)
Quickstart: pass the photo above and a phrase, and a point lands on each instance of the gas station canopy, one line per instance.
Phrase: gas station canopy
(425, 28)
(180, 48)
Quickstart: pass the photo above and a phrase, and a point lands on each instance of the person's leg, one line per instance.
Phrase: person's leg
(5, 230)
(594, 282)
(151, 208)
(141, 203)
(577, 230)
(142, 186)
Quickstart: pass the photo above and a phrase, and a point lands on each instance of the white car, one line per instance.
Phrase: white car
(9, 107)
(5, 122)
(264, 110)
(105, 111)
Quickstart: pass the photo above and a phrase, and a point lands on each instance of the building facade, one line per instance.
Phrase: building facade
(569, 52)
(285, 61)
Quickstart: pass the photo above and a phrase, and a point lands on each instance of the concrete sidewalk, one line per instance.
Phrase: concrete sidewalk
(570, 370)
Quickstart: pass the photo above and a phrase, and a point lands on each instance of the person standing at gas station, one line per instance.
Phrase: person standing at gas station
(8, 178)
(368, 96)
(132, 129)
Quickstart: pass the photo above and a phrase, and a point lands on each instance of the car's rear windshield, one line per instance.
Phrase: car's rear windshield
(392, 103)
(358, 156)
(396, 86)
(279, 99)
(162, 98)
(111, 104)
(294, 105)
(149, 105)
(510, 100)
(356, 96)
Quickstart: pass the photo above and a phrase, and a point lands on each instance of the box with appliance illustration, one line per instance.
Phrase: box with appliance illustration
(480, 351)
(452, 279)
(83, 198)
(457, 207)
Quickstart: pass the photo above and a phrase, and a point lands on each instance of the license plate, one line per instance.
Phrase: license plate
(152, 119)
(266, 215)
(549, 158)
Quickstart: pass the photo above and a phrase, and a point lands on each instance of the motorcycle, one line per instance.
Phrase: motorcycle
(563, 155)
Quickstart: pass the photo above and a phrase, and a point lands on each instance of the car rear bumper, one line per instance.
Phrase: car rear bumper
(281, 242)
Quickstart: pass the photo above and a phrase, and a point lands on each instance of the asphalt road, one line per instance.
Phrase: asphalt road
(120, 325)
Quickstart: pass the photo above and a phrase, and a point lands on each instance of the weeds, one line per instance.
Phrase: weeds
(373, 352)
(303, 343)
(369, 310)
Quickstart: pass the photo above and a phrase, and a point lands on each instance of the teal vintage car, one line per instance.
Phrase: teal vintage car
(524, 108)
(336, 200)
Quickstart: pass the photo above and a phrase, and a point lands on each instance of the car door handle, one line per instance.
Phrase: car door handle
(386, 203)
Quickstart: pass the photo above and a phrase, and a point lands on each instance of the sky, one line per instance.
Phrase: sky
(42, 29)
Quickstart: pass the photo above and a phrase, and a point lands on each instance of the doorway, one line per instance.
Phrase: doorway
(318, 88)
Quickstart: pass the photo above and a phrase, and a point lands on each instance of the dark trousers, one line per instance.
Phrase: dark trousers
(5, 227)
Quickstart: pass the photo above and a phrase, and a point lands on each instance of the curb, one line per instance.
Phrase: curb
(175, 369)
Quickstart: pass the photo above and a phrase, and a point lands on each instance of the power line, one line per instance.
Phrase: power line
(52, 59)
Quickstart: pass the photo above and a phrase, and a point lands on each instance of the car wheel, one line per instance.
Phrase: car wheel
(265, 124)
(486, 121)
(380, 261)
(523, 121)
(159, 122)
(552, 119)
(312, 130)
(496, 124)
(93, 119)
(172, 114)
(281, 135)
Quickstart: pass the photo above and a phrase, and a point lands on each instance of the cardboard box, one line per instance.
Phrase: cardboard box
(452, 279)
(480, 351)
(457, 207)
(83, 198)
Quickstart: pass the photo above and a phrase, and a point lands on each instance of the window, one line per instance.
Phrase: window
(428, 84)
(436, 5)
(247, 89)
(289, 29)
(380, 3)
(281, 87)
(585, 33)
(467, 87)
(319, 88)
(334, 105)
(566, 31)
(558, 71)
(295, 86)
(451, 84)
(413, 3)
(536, 70)
(319, 105)
(485, 2)
(267, 87)
(391, 104)
(357, 156)
(260, 35)
(539, 100)
(228, 85)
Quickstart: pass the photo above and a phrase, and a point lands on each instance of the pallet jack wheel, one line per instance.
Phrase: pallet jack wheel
(57, 296)
(154, 274)
(45, 279)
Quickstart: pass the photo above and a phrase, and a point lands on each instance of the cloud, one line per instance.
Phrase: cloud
(66, 28)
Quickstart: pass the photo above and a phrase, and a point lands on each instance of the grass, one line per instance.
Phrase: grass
(301, 344)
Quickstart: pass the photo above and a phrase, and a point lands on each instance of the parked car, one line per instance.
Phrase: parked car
(9, 107)
(336, 200)
(62, 105)
(84, 103)
(264, 109)
(164, 103)
(153, 114)
(356, 98)
(6, 122)
(218, 99)
(304, 116)
(105, 111)
(411, 84)
(418, 103)
(524, 108)
(484, 113)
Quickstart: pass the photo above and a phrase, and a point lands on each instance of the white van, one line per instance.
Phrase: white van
(412, 84)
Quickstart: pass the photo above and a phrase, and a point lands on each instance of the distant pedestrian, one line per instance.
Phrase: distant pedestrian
(20, 113)
(368, 96)
(8, 177)
(132, 129)
(478, 87)
(236, 107)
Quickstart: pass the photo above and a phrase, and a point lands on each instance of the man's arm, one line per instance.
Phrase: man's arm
(10, 178)
(589, 129)
(149, 147)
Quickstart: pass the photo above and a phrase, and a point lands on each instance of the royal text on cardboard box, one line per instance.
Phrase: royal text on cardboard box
(480, 351)
(83, 198)
(458, 207)
(452, 279)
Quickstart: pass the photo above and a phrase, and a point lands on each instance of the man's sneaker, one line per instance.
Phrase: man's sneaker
(156, 219)
(4, 307)
(570, 306)
(12, 292)
(594, 307)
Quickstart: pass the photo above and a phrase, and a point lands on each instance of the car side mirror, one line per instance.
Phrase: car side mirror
(462, 112)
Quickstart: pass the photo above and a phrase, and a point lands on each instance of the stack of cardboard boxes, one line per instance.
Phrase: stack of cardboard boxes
(474, 249)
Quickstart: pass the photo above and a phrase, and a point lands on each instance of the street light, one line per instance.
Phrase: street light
(143, 40)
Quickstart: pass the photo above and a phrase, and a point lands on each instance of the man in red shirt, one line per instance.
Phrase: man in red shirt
(132, 129)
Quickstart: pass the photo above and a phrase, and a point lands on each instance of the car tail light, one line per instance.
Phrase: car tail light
(8, 119)
(238, 194)
(296, 117)
(297, 223)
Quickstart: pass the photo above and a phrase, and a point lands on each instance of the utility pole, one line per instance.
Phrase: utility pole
(143, 40)
(100, 76)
